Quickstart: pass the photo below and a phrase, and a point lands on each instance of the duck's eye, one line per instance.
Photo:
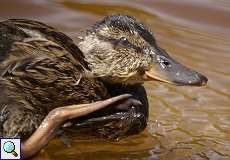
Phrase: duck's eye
(124, 40)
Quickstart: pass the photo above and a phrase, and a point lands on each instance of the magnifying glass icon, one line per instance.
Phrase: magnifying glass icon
(9, 147)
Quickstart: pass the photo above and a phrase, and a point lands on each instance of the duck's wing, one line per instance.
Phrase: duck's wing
(34, 55)
(34, 38)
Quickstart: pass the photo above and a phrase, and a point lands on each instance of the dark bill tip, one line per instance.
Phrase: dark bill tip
(201, 80)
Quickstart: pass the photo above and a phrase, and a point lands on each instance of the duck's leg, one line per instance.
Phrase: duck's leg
(120, 120)
(57, 117)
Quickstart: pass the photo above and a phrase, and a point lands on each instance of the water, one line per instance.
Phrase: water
(185, 122)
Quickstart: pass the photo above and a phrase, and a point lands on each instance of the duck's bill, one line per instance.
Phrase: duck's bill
(166, 69)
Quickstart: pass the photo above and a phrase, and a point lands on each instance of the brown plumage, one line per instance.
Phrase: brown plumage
(40, 69)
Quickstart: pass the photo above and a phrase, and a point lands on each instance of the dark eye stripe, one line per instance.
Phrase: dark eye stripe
(130, 45)
(121, 41)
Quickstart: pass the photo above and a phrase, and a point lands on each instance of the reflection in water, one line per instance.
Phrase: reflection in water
(185, 122)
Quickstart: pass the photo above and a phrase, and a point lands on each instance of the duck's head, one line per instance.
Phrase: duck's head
(121, 50)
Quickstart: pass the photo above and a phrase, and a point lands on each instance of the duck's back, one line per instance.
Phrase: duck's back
(28, 34)
(40, 69)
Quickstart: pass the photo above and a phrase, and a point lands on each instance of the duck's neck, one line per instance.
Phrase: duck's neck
(101, 58)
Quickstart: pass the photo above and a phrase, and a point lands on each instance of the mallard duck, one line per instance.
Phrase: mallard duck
(46, 80)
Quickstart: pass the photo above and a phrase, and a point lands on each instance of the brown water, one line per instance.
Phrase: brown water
(185, 122)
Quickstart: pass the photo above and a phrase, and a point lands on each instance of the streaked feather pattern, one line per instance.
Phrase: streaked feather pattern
(40, 69)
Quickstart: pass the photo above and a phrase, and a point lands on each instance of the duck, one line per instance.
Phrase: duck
(47, 81)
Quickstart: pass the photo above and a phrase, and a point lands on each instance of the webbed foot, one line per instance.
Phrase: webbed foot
(58, 116)
(119, 120)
